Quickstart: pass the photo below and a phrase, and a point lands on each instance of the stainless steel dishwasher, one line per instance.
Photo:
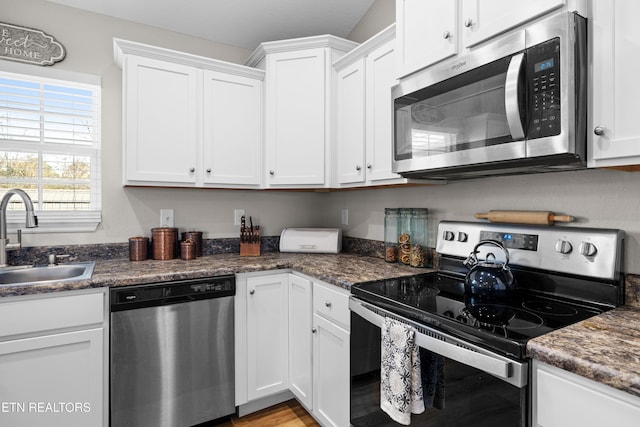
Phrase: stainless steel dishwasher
(172, 361)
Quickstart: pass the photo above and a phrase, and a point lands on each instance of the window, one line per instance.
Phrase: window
(50, 147)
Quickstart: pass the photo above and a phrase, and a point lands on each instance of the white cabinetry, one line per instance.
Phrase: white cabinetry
(614, 136)
(298, 96)
(52, 360)
(483, 19)
(331, 380)
(429, 31)
(364, 113)
(189, 121)
(564, 399)
(300, 339)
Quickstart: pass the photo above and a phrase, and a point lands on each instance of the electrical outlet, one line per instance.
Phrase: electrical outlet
(237, 215)
(345, 216)
(166, 217)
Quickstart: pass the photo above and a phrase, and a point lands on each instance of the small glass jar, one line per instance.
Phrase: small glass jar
(420, 254)
(404, 236)
(391, 234)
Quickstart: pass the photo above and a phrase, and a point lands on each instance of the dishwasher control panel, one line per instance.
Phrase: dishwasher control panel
(139, 296)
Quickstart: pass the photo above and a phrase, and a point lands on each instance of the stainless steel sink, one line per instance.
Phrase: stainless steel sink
(15, 276)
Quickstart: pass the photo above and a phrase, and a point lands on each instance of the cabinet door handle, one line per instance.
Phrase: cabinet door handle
(272, 172)
(358, 168)
(327, 303)
(446, 35)
(208, 170)
(314, 330)
(468, 22)
(599, 130)
(252, 291)
(192, 170)
(369, 166)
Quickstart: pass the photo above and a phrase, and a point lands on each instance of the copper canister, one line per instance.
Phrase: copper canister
(196, 238)
(164, 242)
(187, 250)
(138, 248)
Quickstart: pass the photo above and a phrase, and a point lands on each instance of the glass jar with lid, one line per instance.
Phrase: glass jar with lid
(391, 234)
(404, 236)
(420, 253)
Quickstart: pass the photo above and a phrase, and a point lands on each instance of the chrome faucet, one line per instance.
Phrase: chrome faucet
(31, 220)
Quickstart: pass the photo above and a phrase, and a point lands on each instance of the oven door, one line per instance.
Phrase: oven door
(481, 388)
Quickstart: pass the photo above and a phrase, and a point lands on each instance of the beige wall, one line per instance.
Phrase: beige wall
(380, 15)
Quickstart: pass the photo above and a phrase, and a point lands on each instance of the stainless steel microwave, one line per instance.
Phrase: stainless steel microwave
(515, 105)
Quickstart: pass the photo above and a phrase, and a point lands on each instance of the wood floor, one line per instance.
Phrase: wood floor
(287, 414)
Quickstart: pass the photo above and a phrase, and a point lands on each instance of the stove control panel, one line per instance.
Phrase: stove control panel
(591, 252)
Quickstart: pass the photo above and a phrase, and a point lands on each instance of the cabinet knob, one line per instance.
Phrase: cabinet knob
(192, 170)
(446, 35)
(327, 303)
(272, 172)
(599, 130)
(468, 22)
(358, 168)
(314, 330)
(208, 170)
(252, 291)
(369, 166)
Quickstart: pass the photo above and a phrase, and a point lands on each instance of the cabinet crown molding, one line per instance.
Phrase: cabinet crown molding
(384, 36)
(125, 47)
(323, 41)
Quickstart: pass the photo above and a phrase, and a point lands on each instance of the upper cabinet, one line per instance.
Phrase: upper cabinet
(298, 95)
(614, 136)
(429, 31)
(364, 113)
(189, 121)
(483, 19)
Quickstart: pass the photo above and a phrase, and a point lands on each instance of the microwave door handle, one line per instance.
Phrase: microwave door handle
(511, 96)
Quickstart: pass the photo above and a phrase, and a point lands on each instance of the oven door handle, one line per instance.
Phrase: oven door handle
(496, 365)
(512, 95)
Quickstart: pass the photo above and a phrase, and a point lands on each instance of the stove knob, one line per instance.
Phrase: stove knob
(588, 249)
(448, 235)
(563, 246)
(462, 237)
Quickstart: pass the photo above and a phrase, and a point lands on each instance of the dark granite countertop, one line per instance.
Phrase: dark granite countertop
(605, 348)
(340, 269)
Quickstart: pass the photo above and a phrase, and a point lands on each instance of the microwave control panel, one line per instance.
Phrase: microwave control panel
(543, 78)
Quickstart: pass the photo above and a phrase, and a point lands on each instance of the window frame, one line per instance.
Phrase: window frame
(55, 221)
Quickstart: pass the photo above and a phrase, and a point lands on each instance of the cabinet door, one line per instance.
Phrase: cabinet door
(160, 120)
(483, 19)
(380, 66)
(351, 123)
(426, 32)
(564, 399)
(267, 335)
(331, 380)
(300, 339)
(295, 118)
(232, 123)
(616, 94)
(53, 380)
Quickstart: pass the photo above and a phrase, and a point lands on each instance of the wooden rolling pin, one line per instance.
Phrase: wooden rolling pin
(524, 217)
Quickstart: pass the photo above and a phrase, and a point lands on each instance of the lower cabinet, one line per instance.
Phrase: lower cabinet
(292, 335)
(52, 360)
(563, 399)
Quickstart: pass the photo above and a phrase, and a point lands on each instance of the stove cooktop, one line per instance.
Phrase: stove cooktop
(502, 325)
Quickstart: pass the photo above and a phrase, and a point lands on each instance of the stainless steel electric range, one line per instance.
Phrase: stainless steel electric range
(563, 275)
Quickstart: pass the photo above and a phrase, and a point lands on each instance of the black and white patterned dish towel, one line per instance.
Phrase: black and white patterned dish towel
(400, 378)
